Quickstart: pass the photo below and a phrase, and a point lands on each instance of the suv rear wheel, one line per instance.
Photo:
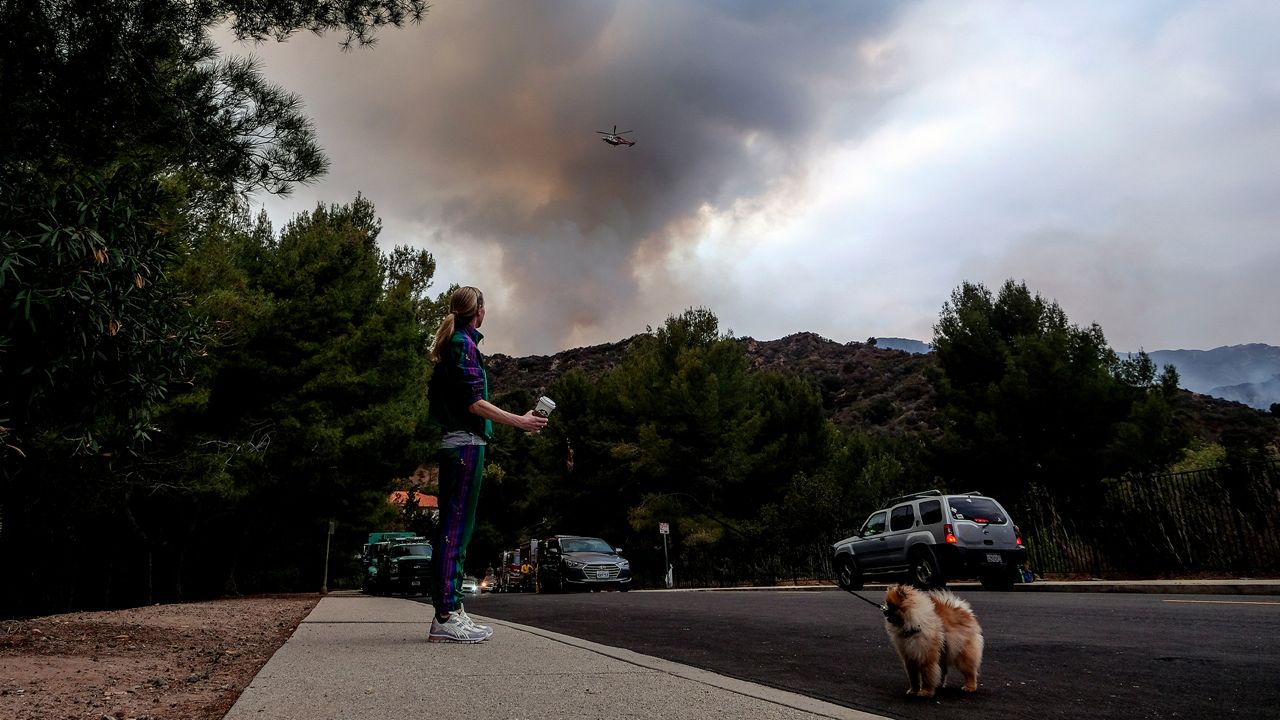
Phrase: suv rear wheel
(848, 576)
(925, 572)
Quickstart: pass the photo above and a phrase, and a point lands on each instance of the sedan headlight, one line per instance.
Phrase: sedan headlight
(624, 564)
(575, 564)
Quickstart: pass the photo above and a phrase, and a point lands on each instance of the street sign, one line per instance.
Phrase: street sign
(665, 530)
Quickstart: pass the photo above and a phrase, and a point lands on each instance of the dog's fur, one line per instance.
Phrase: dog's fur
(932, 631)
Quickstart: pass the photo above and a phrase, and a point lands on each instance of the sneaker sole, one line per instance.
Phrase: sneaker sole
(459, 641)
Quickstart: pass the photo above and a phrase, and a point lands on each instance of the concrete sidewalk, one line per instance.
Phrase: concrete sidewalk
(357, 657)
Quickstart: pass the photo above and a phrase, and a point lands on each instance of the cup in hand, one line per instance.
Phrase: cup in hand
(544, 407)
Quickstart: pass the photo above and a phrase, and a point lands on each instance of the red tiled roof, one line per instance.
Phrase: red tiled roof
(400, 497)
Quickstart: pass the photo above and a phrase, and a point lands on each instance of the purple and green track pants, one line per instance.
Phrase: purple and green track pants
(461, 469)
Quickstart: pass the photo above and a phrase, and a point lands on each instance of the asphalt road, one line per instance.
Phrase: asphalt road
(1048, 655)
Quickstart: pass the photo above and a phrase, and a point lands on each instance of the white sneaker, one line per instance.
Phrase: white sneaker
(488, 631)
(457, 629)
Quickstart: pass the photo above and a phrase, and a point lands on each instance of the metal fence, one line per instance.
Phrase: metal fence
(1224, 520)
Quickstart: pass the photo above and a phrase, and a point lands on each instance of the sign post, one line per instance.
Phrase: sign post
(665, 530)
(324, 584)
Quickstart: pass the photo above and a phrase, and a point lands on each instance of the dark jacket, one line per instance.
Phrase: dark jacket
(457, 382)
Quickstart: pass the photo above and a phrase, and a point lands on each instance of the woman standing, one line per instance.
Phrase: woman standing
(458, 397)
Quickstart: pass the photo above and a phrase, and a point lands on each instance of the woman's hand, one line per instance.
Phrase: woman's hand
(530, 422)
(527, 422)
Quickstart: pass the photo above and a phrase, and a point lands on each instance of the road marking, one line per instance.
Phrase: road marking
(1226, 602)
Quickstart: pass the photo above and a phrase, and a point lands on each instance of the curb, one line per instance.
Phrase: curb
(1246, 586)
(1243, 587)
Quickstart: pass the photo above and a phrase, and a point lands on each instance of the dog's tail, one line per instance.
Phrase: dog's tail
(949, 599)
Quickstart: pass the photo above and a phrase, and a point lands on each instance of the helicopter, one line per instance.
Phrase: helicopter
(615, 138)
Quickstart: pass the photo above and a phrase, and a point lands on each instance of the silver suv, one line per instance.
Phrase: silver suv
(929, 538)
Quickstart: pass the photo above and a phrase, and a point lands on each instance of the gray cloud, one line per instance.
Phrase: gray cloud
(836, 167)
(482, 123)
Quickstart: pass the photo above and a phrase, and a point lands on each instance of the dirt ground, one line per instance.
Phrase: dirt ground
(164, 662)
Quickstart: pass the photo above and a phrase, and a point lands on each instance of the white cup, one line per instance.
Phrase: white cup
(544, 407)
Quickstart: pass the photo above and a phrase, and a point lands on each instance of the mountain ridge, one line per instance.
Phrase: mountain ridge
(1247, 373)
(873, 389)
(1244, 373)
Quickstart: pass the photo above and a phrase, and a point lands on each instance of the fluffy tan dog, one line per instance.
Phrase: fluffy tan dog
(933, 631)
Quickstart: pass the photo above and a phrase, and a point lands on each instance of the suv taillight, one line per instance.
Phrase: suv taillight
(1017, 535)
(951, 533)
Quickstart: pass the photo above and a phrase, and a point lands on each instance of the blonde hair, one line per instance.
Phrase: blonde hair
(464, 305)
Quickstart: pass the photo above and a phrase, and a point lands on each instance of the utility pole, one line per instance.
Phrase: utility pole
(324, 585)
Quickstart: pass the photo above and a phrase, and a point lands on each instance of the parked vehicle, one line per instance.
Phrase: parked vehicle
(510, 576)
(375, 561)
(574, 561)
(409, 571)
(929, 538)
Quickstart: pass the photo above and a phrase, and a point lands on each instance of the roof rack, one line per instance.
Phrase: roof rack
(924, 494)
(913, 496)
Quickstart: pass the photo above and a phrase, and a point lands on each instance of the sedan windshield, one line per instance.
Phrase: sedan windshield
(577, 545)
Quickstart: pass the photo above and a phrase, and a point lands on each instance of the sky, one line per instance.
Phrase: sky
(831, 167)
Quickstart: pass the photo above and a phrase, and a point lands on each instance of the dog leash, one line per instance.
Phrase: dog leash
(877, 605)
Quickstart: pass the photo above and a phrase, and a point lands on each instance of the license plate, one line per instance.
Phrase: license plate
(994, 558)
(602, 573)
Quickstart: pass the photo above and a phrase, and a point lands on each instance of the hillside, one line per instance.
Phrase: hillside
(1261, 395)
(1249, 374)
(874, 389)
(877, 389)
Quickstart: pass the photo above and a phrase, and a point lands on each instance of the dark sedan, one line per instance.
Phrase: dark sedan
(570, 561)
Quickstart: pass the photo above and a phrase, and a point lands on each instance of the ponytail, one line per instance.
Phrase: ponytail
(443, 333)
